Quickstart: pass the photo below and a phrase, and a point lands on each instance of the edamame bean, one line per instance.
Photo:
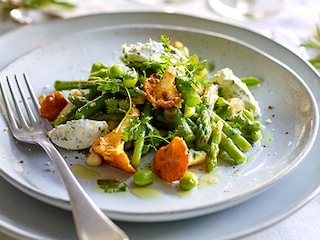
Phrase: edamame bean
(143, 177)
(188, 181)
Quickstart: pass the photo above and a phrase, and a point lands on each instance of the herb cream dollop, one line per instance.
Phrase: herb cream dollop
(77, 134)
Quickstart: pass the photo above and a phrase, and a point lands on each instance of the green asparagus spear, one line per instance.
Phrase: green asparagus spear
(79, 101)
(139, 143)
(208, 131)
(182, 128)
(65, 116)
(107, 116)
(103, 85)
(99, 70)
(92, 107)
(190, 96)
(233, 151)
(61, 85)
(208, 134)
(234, 134)
(240, 123)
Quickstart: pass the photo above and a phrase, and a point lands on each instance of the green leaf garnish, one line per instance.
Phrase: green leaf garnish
(314, 43)
(250, 81)
(116, 106)
(111, 186)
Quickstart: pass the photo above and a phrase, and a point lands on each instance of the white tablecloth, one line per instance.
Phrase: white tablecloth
(290, 27)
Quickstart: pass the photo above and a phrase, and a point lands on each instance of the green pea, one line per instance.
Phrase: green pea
(117, 70)
(143, 177)
(188, 181)
(130, 79)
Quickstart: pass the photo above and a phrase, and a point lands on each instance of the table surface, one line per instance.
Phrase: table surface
(293, 25)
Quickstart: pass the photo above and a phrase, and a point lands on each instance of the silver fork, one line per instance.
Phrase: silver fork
(90, 222)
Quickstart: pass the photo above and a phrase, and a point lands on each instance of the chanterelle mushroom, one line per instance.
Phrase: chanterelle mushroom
(162, 92)
(111, 147)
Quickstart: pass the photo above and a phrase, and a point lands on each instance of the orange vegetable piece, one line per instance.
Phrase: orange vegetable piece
(111, 146)
(171, 161)
(110, 149)
(162, 92)
(52, 105)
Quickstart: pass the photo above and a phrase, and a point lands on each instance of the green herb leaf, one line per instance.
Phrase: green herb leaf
(34, 4)
(250, 81)
(315, 62)
(111, 186)
(117, 106)
(141, 127)
(318, 31)
(110, 85)
(166, 43)
(314, 43)
(41, 3)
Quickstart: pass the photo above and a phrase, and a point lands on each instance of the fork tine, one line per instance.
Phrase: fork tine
(14, 122)
(32, 95)
(9, 112)
(16, 116)
(36, 103)
(22, 119)
(25, 103)
(24, 99)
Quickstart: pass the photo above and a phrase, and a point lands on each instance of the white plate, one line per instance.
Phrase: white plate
(291, 199)
(283, 96)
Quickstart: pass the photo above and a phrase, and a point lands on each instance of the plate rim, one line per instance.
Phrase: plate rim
(154, 215)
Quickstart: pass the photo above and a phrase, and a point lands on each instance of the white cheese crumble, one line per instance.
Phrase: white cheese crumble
(77, 134)
(151, 51)
(140, 52)
(268, 120)
(232, 86)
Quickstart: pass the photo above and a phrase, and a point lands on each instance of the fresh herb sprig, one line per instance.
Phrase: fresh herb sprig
(314, 43)
(7, 5)
(111, 186)
(34, 4)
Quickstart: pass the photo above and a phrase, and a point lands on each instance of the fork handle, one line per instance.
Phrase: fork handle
(90, 222)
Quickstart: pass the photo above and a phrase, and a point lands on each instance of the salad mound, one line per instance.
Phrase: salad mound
(157, 98)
